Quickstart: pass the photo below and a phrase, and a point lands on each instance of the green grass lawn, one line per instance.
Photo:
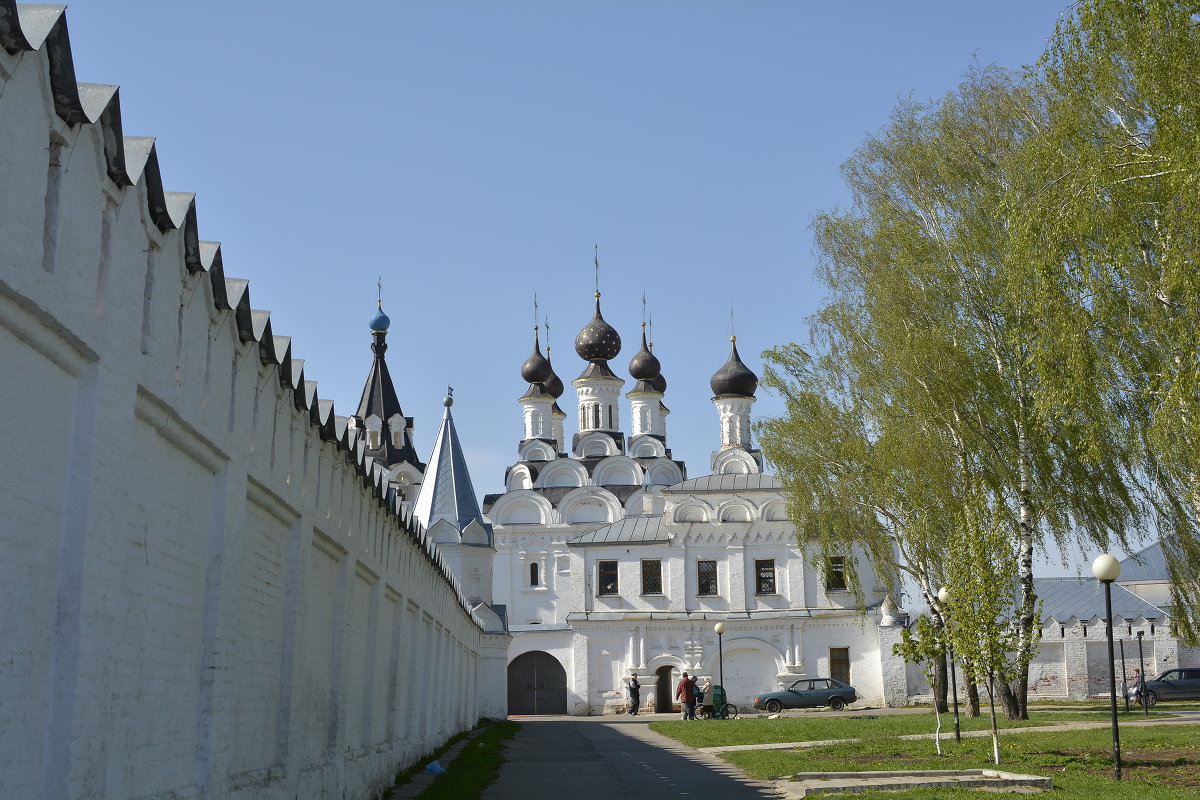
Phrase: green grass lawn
(1160, 763)
(821, 727)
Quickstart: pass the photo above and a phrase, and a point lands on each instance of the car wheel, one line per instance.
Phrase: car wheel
(774, 706)
(837, 704)
(1150, 698)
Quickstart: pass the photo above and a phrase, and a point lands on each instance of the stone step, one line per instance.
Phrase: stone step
(811, 784)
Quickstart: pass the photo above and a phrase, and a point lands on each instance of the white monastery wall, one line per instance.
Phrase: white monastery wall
(207, 590)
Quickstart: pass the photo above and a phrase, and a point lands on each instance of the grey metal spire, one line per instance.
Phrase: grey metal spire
(447, 493)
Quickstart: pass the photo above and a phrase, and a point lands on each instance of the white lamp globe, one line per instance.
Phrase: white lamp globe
(944, 594)
(719, 628)
(1106, 568)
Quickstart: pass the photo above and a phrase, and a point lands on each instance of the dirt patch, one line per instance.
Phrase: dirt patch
(1163, 765)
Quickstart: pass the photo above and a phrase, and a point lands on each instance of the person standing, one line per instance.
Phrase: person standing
(635, 694)
(685, 693)
(702, 692)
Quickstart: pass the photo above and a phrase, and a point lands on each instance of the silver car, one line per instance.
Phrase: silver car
(1174, 684)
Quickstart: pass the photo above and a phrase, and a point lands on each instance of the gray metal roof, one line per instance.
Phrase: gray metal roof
(1145, 565)
(1083, 598)
(728, 483)
(446, 492)
(631, 530)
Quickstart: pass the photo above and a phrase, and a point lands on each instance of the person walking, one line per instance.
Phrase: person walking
(635, 694)
(685, 693)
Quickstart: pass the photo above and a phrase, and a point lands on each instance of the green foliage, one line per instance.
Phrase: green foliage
(1107, 230)
(917, 397)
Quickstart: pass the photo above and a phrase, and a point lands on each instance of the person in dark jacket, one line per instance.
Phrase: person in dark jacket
(635, 694)
(685, 693)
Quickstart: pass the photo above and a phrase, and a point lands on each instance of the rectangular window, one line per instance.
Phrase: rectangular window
(651, 576)
(607, 573)
(706, 577)
(764, 576)
(835, 579)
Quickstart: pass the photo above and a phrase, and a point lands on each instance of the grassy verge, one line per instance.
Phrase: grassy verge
(816, 727)
(475, 767)
(403, 776)
(1160, 763)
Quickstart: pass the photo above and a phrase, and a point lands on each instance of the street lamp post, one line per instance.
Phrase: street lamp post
(1142, 677)
(720, 630)
(1124, 677)
(944, 597)
(1107, 569)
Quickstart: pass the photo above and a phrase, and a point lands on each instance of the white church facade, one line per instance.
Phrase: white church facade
(610, 560)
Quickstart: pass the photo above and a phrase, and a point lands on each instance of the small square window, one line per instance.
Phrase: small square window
(706, 577)
(651, 576)
(835, 578)
(607, 573)
(764, 576)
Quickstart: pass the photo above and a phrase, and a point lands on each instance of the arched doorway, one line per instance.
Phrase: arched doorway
(664, 690)
(537, 684)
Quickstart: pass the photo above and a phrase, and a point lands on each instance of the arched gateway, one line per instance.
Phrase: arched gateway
(537, 684)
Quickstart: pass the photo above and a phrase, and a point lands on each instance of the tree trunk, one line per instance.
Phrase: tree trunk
(972, 697)
(940, 676)
(1010, 701)
(1027, 607)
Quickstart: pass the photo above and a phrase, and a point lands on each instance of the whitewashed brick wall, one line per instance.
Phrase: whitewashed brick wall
(205, 591)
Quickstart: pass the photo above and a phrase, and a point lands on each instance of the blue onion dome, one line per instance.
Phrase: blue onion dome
(553, 384)
(644, 366)
(598, 341)
(379, 321)
(536, 368)
(735, 378)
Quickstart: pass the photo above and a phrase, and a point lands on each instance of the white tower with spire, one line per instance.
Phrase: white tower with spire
(733, 387)
(537, 403)
(599, 390)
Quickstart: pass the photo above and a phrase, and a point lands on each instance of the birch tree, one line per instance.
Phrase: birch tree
(980, 608)
(1108, 244)
(923, 294)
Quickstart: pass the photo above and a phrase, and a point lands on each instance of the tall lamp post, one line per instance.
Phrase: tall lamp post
(1142, 676)
(944, 598)
(720, 630)
(1107, 569)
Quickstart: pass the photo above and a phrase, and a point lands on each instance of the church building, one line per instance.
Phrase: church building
(611, 560)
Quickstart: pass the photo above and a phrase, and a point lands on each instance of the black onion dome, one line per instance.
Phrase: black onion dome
(536, 368)
(644, 366)
(735, 378)
(554, 385)
(658, 383)
(598, 341)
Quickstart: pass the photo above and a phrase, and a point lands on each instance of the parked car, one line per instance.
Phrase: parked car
(1174, 684)
(808, 693)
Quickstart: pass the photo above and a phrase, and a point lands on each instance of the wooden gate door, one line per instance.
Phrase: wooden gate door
(537, 684)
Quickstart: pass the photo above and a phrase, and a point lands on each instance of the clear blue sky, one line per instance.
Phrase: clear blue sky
(471, 153)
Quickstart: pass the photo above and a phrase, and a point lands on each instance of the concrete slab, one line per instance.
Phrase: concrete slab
(811, 784)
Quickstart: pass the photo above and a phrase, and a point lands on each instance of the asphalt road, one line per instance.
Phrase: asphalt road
(612, 757)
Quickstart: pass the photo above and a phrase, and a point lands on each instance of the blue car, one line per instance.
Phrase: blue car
(808, 693)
